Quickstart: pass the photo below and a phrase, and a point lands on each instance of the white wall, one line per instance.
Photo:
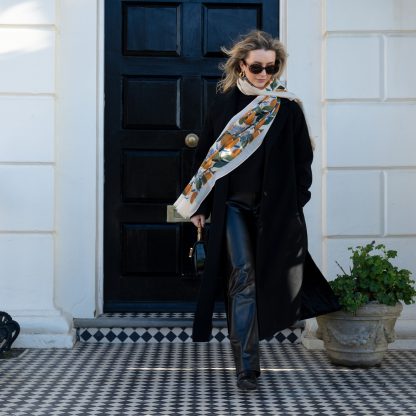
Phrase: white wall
(51, 111)
(28, 172)
(370, 107)
(365, 53)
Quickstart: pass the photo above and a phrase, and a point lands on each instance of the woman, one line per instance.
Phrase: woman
(255, 148)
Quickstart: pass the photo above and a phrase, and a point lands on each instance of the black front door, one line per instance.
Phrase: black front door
(161, 69)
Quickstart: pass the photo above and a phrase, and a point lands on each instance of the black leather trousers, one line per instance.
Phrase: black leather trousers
(241, 226)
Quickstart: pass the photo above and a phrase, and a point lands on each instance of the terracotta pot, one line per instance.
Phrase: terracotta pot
(360, 339)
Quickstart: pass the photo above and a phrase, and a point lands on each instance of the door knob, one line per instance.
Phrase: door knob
(191, 140)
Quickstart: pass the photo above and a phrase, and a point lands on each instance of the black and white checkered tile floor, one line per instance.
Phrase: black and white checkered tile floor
(161, 327)
(198, 379)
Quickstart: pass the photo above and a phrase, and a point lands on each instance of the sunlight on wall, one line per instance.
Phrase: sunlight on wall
(23, 12)
(20, 41)
(25, 27)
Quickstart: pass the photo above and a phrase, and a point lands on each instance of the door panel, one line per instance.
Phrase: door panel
(161, 70)
(143, 95)
(142, 33)
(144, 171)
(223, 23)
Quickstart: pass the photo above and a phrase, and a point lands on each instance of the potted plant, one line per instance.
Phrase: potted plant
(370, 295)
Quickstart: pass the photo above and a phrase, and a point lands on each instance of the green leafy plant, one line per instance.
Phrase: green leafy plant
(373, 277)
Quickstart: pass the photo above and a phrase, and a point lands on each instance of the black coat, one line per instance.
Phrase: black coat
(289, 286)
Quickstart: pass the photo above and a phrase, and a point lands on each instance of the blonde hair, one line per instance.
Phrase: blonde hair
(256, 39)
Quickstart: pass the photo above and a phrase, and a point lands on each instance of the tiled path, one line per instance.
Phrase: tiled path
(198, 379)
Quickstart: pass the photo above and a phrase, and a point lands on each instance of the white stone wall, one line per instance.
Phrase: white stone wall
(28, 172)
(364, 51)
(370, 134)
(369, 97)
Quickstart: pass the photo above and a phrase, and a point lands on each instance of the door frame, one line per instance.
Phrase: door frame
(89, 304)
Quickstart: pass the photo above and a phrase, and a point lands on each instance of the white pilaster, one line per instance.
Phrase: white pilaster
(27, 173)
(76, 157)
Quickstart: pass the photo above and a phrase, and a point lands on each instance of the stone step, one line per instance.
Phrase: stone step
(161, 327)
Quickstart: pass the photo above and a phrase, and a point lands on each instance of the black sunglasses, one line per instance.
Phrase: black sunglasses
(257, 68)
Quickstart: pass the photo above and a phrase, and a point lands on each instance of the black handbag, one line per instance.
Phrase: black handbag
(198, 254)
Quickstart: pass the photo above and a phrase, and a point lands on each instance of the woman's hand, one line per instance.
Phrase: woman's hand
(198, 220)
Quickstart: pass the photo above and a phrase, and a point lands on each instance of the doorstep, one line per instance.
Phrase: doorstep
(153, 327)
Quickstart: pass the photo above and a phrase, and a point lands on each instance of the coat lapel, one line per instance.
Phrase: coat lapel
(272, 137)
(274, 134)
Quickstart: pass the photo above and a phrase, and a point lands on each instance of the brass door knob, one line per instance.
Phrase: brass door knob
(191, 140)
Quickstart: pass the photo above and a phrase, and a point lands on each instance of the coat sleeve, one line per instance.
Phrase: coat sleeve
(206, 140)
(303, 156)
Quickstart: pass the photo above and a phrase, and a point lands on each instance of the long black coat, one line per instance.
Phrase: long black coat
(289, 286)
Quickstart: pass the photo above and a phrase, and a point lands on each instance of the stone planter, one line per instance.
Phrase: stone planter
(360, 339)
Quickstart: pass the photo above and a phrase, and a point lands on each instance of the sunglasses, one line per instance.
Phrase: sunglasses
(257, 68)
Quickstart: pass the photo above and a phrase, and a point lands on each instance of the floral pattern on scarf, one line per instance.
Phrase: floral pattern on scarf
(231, 143)
(241, 137)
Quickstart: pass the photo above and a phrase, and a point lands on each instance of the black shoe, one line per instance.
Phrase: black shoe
(247, 380)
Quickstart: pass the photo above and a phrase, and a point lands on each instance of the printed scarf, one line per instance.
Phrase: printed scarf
(241, 137)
